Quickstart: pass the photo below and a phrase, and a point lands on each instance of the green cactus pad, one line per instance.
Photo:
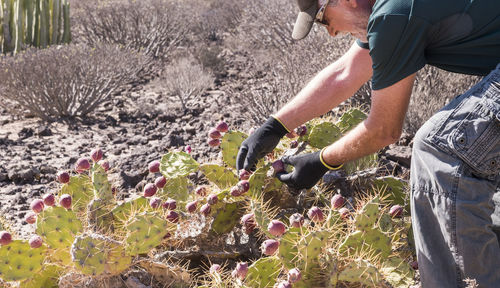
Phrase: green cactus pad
(288, 250)
(259, 208)
(125, 210)
(81, 190)
(263, 272)
(220, 176)
(363, 163)
(226, 218)
(394, 189)
(176, 188)
(323, 134)
(18, 261)
(94, 254)
(48, 277)
(177, 164)
(368, 215)
(99, 216)
(230, 146)
(311, 245)
(102, 187)
(361, 271)
(372, 239)
(350, 119)
(58, 227)
(397, 272)
(257, 181)
(145, 231)
(385, 223)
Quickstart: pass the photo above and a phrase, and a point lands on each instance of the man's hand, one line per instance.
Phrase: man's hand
(260, 143)
(308, 169)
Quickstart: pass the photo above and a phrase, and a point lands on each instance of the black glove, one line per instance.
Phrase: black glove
(308, 169)
(260, 143)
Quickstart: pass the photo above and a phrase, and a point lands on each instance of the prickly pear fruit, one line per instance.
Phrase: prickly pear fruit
(65, 201)
(337, 201)
(241, 270)
(212, 199)
(344, 212)
(104, 164)
(315, 214)
(214, 142)
(222, 127)
(160, 182)
(235, 191)
(188, 149)
(154, 202)
(30, 217)
(270, 246)
(154, 166)
(170, 204)
(5, 238)
(150, 190)
(248, 222)
(82, 165)
(296, 220)
(276, 228)
(215, 268)
(37, 205)
(214, 134)
(172, 216)
(294, 275)
(278, 166)
(396, 211)
(96, 154)
(35, 241)
(244, 186)
(294, 144)
(301, 130)
(205, 209)
(49, 199)
(63, 177)
(202, 191)
(414, 264)
(191, 206)
(284, 284)
(244, 174)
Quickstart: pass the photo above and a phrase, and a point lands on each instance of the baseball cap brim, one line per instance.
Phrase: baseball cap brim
(304, 22)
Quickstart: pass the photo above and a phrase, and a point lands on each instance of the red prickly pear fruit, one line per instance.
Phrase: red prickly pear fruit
(149, 190)
(278, 166)
(63, 177)
(205, 209)
(244, 186)
(284, 284)
(202, 191)
(154, 202)
(294, 144)
(344, 212)
(276, 228)
(244, 174)
(191, 206)
(170, 204)
(104, 164)
(414, 264)
(188, 149)
(154, 166)
(291, 135)
(214, 134)
(215, 268)
(65, 201)
(30, 217)
(294, 275)
(337, 201)
(222, 127)
(235, 191)
(160, 182)
(396, 211)
(270, 246)
(5, 238)
(35, 241)
(240, 271)
(37, 205)
(173, 216)
(315, 214)
(49, 199)
(214, 142)
(248, 222)
(212, 199)
(96, 154)
(301, 130)
(82, 165)
(296, 220)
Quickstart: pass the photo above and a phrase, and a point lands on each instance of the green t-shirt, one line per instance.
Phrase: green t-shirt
(456, 35)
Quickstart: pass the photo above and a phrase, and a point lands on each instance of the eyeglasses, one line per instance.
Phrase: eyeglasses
(320, 16)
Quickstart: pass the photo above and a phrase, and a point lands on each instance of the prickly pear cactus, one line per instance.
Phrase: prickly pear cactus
(230, 146)
(102, 187)
(324, 134)
(257, 180)
(94, 254)
(99, 216)
(368, 215)
(177, 164)
(19, 261)
(263, 272)
(226, 218)
(397, 272)
(48, 277)
(288, 249)
(81, 190)
(350, 119)
(145, 231)
(393, 189)
(122, 212)
(372, 239)
(58, 227)
(176, 188)
(360, 271)
(220, 176)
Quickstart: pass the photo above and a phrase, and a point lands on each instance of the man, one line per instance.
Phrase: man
(456, 154)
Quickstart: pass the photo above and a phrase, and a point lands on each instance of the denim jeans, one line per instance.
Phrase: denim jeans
(455, 171)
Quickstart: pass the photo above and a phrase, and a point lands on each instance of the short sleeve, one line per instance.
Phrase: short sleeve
(397, 47)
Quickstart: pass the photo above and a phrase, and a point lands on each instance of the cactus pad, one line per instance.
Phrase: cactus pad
(81, 190)
(324, 134)
(94, 254)
(102, 187)
(257, 180)
(371, 239)
(397, 272)
(145, 231)
(263, 272)
(99, 216)
(368, 215)
(220, 176)
(18, 261)
(48, 277)
(350, 119)
(230, 146)
(176, 188)
(385, 223)
(360, 271)
(226, 218)
(394, 189)
(288, 247)
(177, 164)
(124, 211)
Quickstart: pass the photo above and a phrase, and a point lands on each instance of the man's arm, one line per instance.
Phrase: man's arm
(333, 85)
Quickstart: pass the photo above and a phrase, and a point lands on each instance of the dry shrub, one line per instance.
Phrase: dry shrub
(68, 81)
(154, 27)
